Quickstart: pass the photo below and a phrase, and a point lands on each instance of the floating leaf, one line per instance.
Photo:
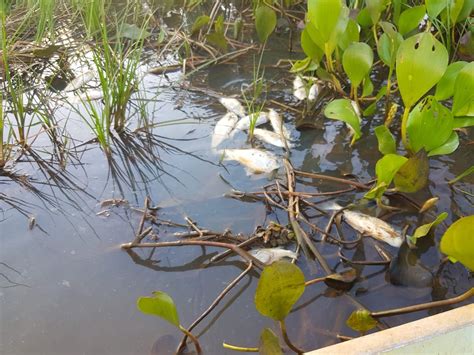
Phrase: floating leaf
(448, 147)
(445, 87)
(343, 280)
(423, 230)
(410, 18)
(361, 321)
(269, 343)
(413, 175)
(429, 125)
(357, 61)
(421, 62)
(377, 191)
(160, 305)
(458, 241)
(265, 22)
(463, 100)
(280, 286)
(133, 32)
(342, 109)
(386, 140)
(200, 22)
(387, 167)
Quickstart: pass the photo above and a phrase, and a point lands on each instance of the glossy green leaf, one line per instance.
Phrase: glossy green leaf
(363, 18)
(377, 191)
(388, 46)
(301, 65)
(269, 343)
(265, 22)
(445, 87)
(375, 8)
(434, 7)
(357, 61)
(367, 87)
(361, 321)
(199, 23)
(387, 144)
(460, 122)
(281, 284)
(421, 62)
(424, 229)
(410, 18)
(463, 100)
(429, 125)
(310, 48)
(413, 175)
(387, 167)
(458, 241)
(350, 35)
(448, 147)
(466, 10)
(455, 7)
(160, 305)
(343, 110)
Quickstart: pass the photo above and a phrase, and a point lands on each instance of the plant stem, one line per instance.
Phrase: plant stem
(315, 281)
(193, 339)
(329, 65)
(287, 339)
(239, 348)
(404, 127)
(421, 307)
(387, 93)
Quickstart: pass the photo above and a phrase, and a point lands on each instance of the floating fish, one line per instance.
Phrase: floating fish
(313, 92)
(79, 81)
(368, 225)
(270, 255)
(255, 160)
(244, 123)
(89, 95)
(233, 105)
(223, 128)
(299, 88)
(277, 124)
(270, 137)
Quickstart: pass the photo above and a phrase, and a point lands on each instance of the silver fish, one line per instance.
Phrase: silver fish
(223, 128)
(277, 124)
(270, 255)
(313, 92)
(79, 81)
(255, 160)
(244, 123)
(299, 88)
(270, 137)
(233, 105)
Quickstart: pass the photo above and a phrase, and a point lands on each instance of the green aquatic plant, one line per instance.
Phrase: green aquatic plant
(357, 61)
(458, 242)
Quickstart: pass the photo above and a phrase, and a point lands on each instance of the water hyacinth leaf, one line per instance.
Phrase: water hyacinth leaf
(367, 87)
(445, 87)
(387, 167)
(388, 46)
(463, 100)
(281, 284)
(410, 18)
(448, 147)
(460, 122)
(423, 230)
(350, 35)
(429, 125)
(375, 8)
(303, 65)
(324, 16)
(466, 10)
(343, 110)
(386, 141)
(310, 48)
(269, 343)
(133, 32)
(413, 175)
(265, 22)
(421, 62)
(363, 18)
(160, 305)
(361, 321)
(357, 61)
(343, 280)
(377, 191)
(458, 241)
(454, 10)
(434, 7)
(200, 22)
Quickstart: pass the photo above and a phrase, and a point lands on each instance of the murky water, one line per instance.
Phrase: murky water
(66, 287)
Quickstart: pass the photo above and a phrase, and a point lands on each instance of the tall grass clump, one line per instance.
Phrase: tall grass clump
(92, 13)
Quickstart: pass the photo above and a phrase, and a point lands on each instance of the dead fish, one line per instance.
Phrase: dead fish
(368, 225)
(89, 95)
(79, 81)
(270, 137)
(277, 124)
(313, 92)
(270, 255)
(299, 88)
(31, 222)
(244, 123)
(223, 128)
(255, 160)
(430, 203)
(233, 105)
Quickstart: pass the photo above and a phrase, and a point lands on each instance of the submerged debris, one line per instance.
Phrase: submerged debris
(255, 160)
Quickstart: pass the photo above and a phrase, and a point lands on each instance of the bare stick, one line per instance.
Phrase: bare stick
(193, 339)
(214, 304)
(359, 185)
(228, 252)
